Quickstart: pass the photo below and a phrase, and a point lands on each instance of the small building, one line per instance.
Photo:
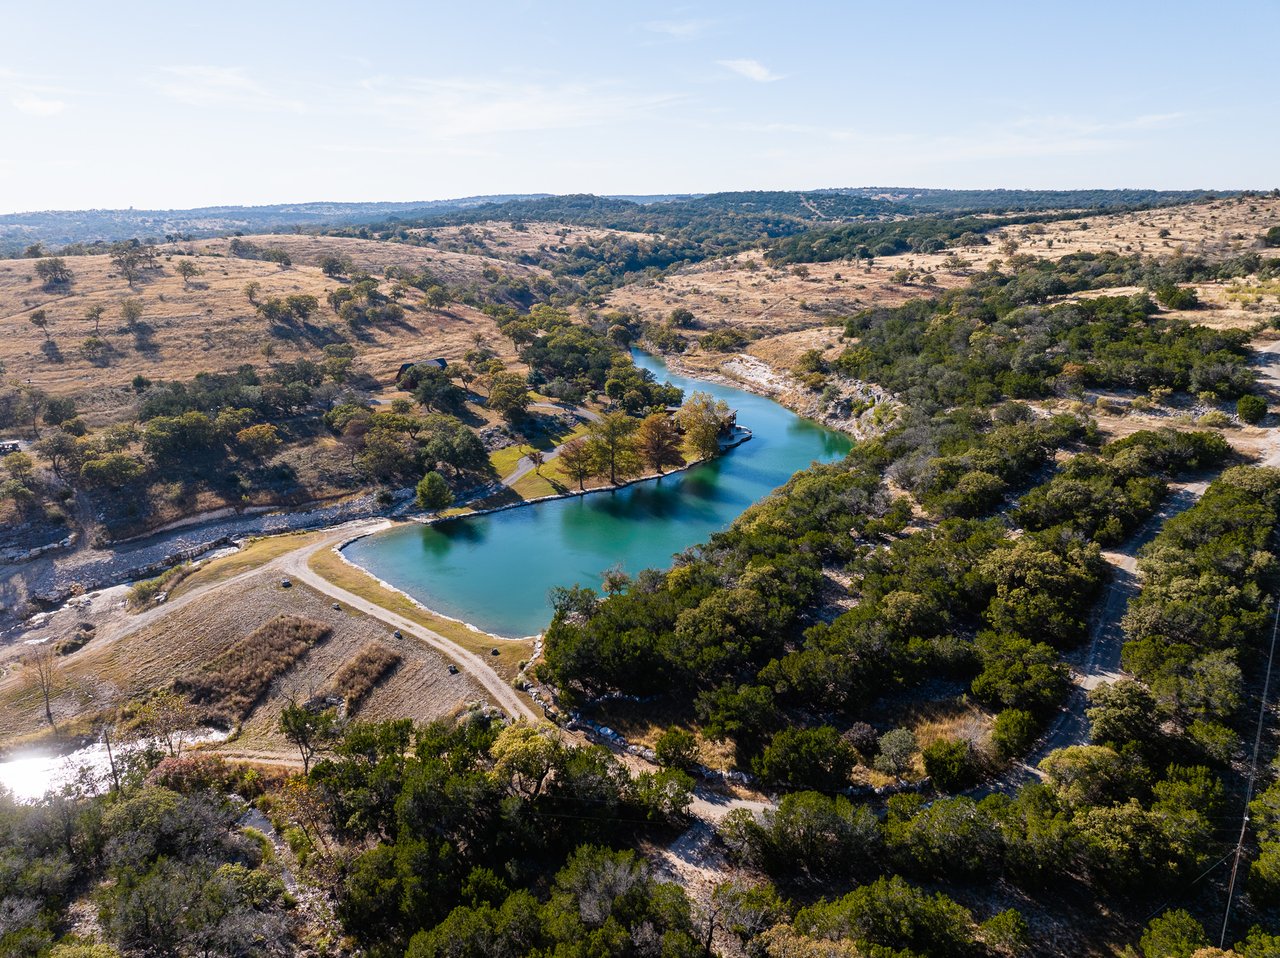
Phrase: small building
(436, 363)
(9, 445)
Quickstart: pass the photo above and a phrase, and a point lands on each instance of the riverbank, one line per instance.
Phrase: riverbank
(861, 411)
(741, 435)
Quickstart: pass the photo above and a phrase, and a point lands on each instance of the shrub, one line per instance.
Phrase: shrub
(806, 758)
(897, 748)
(1014, 732)
(676, 748)
(433, 493)
(949, 762)
(1251, 408)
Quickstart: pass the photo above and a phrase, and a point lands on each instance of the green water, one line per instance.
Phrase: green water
(495, 571)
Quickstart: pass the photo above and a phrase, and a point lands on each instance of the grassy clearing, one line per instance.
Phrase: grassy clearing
(505, 461)
(254, 553)
(360, 674)
(511, 652)
(230, 686)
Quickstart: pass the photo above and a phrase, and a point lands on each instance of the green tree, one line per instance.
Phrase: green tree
(259, 441)
(897, 748)
(309, 730)
(1175, 934)
(54, 272)
(702, 418)
(131, 311)
(658, 442)
(612, 443)
(1014, 732)
(93, 313)
(577, 461)
(676, 748)
(433, 493)
(802, 758)
(950, 764)
(40, 320)
(112, 471)
(509, 395)
(188, 270)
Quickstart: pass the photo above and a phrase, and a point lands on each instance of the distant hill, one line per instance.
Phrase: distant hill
(59, 227)
(970, 201)
(730, 217)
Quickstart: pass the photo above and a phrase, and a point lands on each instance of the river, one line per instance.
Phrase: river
(494, 571)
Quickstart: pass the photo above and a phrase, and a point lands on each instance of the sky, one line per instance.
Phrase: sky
(162, 105)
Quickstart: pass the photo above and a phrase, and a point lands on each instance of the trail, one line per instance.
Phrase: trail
(295, 564)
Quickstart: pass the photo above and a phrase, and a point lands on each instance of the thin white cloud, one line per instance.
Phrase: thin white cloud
(33, 105)
(210, 86)
(751, 69)
(450, 108)
(678, 29)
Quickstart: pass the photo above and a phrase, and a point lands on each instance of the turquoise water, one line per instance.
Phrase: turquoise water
(495, 571)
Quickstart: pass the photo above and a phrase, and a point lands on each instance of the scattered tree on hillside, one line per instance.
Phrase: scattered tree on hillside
(40, 320)
(93, 313)
(187, 269)
(131, 311)
(54, 272)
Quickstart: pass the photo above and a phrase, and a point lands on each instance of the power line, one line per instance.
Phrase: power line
(1253, 776)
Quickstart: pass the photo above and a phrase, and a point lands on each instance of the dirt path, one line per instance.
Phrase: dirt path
(295, 564)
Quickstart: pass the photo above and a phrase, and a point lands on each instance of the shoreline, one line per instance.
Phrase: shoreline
(785, 392)
(742, 435)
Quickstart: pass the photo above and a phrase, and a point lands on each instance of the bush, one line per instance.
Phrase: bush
(1251, 408)
(1171, 296)
(676, 748)
(897, 748)
(1014, 732)
(950, 763)
(815, 759)
(433, 493)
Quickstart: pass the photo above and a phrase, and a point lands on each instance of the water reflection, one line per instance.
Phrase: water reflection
(495, 571)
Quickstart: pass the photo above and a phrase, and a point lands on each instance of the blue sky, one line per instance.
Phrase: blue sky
(168, 105)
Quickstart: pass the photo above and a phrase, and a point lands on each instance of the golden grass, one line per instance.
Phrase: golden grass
(210, 325)
(360, 674)
(231, 685)
(253, 554)
(511, 652)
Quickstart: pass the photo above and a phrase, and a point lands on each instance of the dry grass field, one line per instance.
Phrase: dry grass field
(505, 242)
(209, 325)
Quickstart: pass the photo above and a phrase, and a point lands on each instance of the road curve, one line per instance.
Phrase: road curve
(295, 565)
